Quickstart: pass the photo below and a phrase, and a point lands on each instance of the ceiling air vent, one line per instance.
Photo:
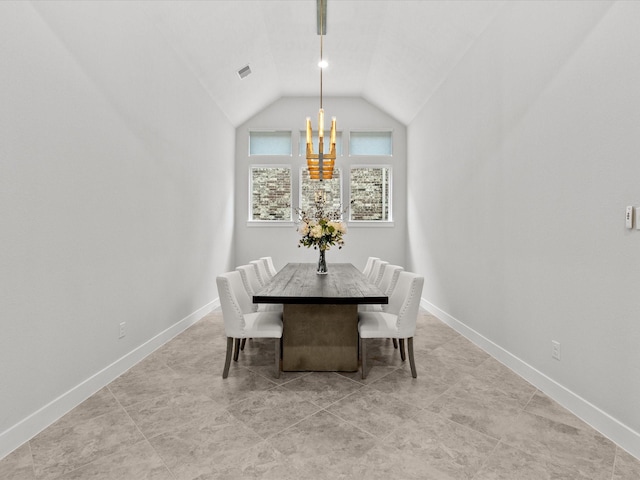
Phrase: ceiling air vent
(244, 72)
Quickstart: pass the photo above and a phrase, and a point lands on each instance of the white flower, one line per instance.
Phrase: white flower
(303, 228)
(316, 231)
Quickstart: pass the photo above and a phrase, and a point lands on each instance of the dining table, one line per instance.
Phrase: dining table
(320, 314)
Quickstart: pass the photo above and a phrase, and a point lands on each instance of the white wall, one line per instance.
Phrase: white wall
(116, 202)
(519, 171)
(281, 242)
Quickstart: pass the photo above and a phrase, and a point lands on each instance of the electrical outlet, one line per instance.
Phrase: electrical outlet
(555, 349)
(122, 330)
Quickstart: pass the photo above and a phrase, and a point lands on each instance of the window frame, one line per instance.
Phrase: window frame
(370, 223)
(270, 130)
(263, 222)
(363, 155)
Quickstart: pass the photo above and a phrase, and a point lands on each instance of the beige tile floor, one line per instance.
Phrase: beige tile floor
(465, 417)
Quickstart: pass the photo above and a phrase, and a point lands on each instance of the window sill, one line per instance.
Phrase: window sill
(370, 224)
(270, 223)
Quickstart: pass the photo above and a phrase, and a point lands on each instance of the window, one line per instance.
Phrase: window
(271, 142)
(326, 145)
(371, 143)
(331, 190)
(270, 191)
(370, 193)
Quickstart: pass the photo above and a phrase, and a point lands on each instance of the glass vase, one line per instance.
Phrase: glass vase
(322, 264)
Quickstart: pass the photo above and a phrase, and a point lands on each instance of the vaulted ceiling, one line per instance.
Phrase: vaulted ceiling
(392, 53)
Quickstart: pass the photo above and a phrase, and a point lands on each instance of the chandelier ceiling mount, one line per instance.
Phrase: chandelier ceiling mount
(321, 164)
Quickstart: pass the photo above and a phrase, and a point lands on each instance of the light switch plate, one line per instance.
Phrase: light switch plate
(629, 217)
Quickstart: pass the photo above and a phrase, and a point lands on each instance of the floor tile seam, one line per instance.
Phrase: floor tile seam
(360, 384)
(541, 457)
(320, 409)
(615, 462)
(33, 463)
(393, 429)
(349, 422)
(282, 383)
(103, 457)
(66, 472)
(161, 458)
(437, 397)
(248, 368)
(374, 437)
(467, 427)
(401, 400)
(129, 405)
(555, 457)
(145, 438)
(131, 419)
(533, 394)
(54, 426)
(324, 407)
(395, 369)
(489, 389)
(295, 394)
(85, 421)
(194, 419)
(455, 337)
(486, 459)
(274, 434)
(588, 430)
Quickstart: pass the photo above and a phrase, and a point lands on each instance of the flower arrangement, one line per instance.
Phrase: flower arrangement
(319, 228)
(321, 233)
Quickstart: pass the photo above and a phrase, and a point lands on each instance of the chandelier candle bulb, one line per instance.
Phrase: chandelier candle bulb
(308, 130)
(333, 130)
(321, 123)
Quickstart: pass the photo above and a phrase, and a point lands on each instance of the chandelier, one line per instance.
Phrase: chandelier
(320, 165)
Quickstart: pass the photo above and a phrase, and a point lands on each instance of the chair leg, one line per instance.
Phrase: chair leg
(244, 340)
(363, 353)
(412, 362)
(236, 350)
(277, 357)
(403, 356)
(227, 360)
(395, 342)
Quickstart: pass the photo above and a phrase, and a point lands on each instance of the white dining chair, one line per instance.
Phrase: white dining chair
(376, 271)
(241, 321)
(397, 321)
(270, 267)
(368, 266)
(387, 283)
(252, 285)
(263, 276)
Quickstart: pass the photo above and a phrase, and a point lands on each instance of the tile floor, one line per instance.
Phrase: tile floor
(173, 417)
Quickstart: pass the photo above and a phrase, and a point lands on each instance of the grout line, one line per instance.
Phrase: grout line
(33, 463)
(145, 439)
(486, 459)
(615, 460)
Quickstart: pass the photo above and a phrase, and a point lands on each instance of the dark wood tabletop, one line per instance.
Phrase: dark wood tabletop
(298, 283)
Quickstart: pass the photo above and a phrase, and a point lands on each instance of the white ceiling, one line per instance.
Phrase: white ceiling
(393, 53)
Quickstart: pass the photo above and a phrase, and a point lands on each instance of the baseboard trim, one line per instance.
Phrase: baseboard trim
(29, 427)
(611, 428)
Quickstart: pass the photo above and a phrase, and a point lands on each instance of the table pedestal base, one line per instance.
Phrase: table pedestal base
(320, 338)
